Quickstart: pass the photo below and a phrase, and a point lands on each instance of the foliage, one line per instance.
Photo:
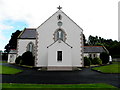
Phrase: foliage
(9, 70)
(18, 60)
(12, 42)
(27, 58)
(104, 57)
(84, 41)
(4, 56)
(96, 61)
(56, 86)
(91, 60)
(87, 61)
(112, 68)
(114, 49)
(3, 61)
(92, 40)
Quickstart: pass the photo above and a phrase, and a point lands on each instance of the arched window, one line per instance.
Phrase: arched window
(59, 17)
(59, 34)
(30, 47)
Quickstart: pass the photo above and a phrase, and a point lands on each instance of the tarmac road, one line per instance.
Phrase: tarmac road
(84, 76)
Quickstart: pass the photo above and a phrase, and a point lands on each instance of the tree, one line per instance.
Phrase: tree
(12, 42)
(84, 41)
(92, 40)
(4, 56)
(104, 57)
(114, 49)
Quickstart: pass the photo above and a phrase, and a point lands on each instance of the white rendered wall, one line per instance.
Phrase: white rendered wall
(22, 45)
(98, 55)
(66, 55)
(45, 38)
(11, 58)
(87, 55)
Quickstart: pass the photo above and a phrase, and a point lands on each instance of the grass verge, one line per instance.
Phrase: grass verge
(3, 61)
(98, 85)
(8, 70)
(112, 68)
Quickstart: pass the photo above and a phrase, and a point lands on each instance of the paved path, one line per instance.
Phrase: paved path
(61, 77)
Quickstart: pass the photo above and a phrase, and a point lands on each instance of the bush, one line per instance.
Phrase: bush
(27, 59)
(91, 60)
(104, 57)
(96, 61)
(87, 61)
(4, 56)
(18, 60)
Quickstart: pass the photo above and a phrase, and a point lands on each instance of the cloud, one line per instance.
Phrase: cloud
(34, 12)
(5, 27)
(94, 16)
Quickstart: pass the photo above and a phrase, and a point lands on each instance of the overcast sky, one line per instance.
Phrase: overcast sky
(95, 17)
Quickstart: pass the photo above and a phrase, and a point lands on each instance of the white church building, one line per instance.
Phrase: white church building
(57, 44)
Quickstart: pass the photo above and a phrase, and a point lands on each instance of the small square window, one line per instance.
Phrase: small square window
(94, 55)
(90, 55)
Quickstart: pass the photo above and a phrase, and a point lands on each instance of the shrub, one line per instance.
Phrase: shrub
(4, 56)
(27, 58)
(96, 61)
(104, 57)
(91, 60)
(87, 61)
(18, 60)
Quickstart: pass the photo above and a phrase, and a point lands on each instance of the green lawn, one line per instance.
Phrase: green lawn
(8, 70)
(112, 68)
(3, 61)
(99, 85)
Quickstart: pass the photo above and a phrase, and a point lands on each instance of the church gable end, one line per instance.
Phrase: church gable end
(59, 27)
(56, 43)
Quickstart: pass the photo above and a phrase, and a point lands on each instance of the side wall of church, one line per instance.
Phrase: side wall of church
(22, 45)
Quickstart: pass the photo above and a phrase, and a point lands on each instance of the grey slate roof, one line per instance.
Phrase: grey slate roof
(94, 49)
(28, 33)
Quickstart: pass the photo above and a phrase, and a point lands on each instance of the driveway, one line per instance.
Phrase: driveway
(84, 76)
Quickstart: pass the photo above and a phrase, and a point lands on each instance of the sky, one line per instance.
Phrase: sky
(95, 17)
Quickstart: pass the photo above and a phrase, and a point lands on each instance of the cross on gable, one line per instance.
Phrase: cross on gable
(59, 7)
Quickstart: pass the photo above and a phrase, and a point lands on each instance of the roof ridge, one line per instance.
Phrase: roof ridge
(30, 28)
(58, 41)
